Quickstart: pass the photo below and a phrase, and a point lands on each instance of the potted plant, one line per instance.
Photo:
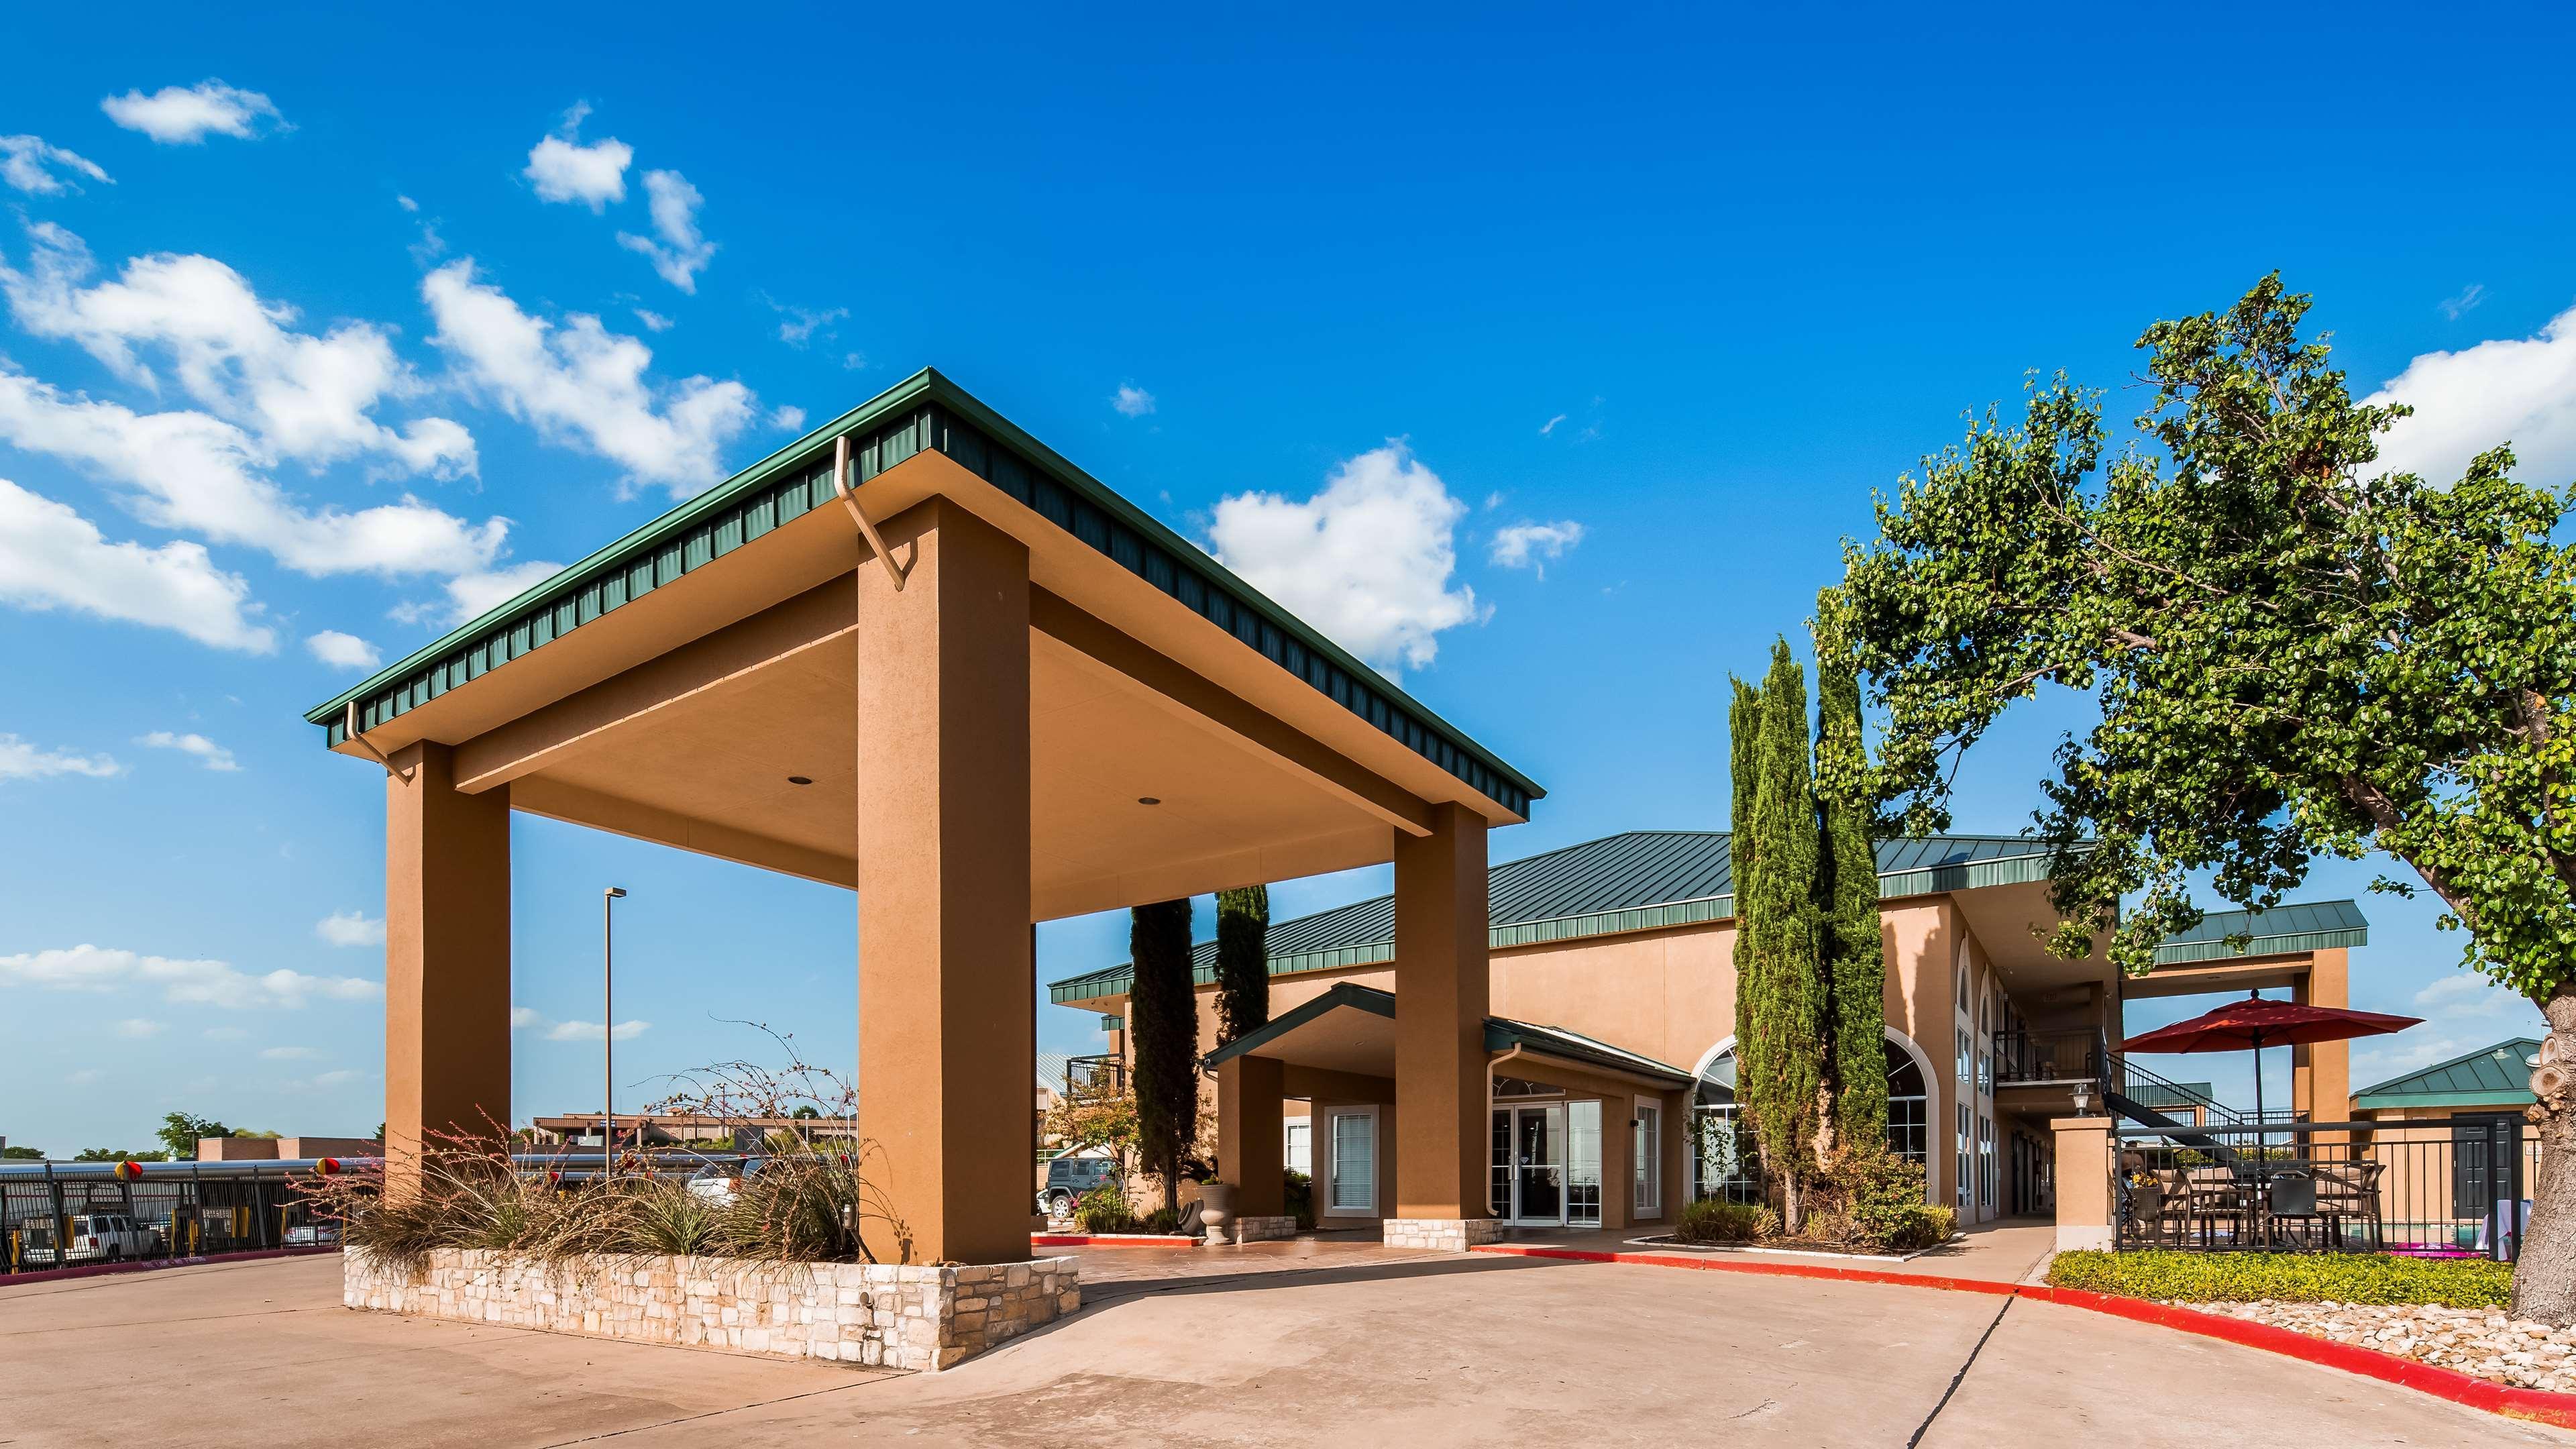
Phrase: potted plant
(1216, 1211)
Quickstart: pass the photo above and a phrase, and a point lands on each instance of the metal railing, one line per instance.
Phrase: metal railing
(74, 1214)
(2025, 1058)
(2439, 1188)
(1098, 1076)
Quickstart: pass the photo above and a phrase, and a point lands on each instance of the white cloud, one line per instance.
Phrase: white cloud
(2467, 302)
(683, 250)
(788, 419)
(2517, 390)
(27, 163)
(406, 203)
(351, 928)
(471, 594)
(287, 1053)
(198, 982)
(52, 558)
(306, 397)
(20, 760)
(653, 321)
(2465, 993)
(137, 1028)
(343, 651)
(186, 115)
(527, 1018)
(1534, 545)
(803, 322)
(563, 169)
(1367, 560)
(212, 755)
(339, 1078)
(577, 382)
(223, 1033)
(853, 361)
(1549, 426)
(1131, 401)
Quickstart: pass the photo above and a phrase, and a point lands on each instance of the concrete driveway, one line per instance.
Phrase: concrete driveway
(1352, 1345)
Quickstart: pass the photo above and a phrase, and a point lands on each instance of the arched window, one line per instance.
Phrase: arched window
(1723, 1161)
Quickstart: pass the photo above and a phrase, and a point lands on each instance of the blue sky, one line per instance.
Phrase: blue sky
(1572, 348)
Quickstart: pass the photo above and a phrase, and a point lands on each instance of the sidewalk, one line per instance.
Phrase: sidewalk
(2014, 1250)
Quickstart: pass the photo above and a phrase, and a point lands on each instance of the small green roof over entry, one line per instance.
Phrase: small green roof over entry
(2221, 935)
(2498, 1075)
(923, 413)
(1501, 1035)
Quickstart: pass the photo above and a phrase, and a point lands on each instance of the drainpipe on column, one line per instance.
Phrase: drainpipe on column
(850, 501)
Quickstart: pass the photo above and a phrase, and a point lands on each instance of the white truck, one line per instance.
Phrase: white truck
(95, 1238)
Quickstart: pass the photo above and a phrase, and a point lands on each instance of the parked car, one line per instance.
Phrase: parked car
(1069, 1178)
(96, 1238)
(312, 1235)
(717, 1182)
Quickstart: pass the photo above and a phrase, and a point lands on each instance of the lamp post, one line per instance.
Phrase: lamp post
(608, 1029)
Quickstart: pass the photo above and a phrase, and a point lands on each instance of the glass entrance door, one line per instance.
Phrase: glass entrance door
(1530, 1176)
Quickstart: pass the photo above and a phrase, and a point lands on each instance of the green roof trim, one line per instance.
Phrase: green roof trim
(2282, 930)
(1501, 1035)
(924, 412)
(1641, 880)
(2499, 1074)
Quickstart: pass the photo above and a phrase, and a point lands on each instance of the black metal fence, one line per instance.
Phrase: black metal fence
(2454, 1187)
(66, 1215)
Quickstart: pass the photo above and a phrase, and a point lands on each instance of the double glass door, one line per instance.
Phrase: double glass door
(1547, 1164)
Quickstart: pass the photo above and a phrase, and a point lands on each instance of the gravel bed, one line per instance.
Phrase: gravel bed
(2487, 1342)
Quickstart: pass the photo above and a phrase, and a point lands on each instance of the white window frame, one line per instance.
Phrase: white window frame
(1651, 1202)
(1333, 1162)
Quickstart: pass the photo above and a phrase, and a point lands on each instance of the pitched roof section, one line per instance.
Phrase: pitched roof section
(924, 412)
(1501, 1035)
(1642, 880)
(2498, 1074)
(2314, 926)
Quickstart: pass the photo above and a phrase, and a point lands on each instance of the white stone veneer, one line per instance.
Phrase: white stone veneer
(1263, 1228)
(882, 1316)
(1454, 1235)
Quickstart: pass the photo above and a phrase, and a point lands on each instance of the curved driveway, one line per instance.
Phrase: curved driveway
(1322, 1347)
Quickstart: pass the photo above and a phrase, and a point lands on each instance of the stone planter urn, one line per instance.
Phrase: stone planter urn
(1216, 1212)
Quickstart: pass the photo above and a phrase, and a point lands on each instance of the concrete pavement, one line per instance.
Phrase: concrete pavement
(1267, 1348)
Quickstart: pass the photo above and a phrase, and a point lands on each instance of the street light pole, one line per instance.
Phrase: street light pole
(608, 1029)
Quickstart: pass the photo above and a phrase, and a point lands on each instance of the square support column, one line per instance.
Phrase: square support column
(447, 959)
(2321, 1075)
(1442, 992)
(1251, 1146)
(2083, 1181)
(947, 1009)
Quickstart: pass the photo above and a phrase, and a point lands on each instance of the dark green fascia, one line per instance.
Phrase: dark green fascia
(2502, 1101)
(2186, 952)
(1502, 1035)
(1364, 998)
(923, 412)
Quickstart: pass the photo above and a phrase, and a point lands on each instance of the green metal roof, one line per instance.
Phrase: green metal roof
(2499, 1075)
(1501, 1035)
(2313, 926)
(1638, 881)
(923, 412)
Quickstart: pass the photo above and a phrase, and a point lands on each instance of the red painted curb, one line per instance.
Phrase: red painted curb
(148, 1265)
(1110, 1240)
(2442, 1383)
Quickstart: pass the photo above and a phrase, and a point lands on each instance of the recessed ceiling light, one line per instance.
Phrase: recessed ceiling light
(799, 780)
(1148, 800)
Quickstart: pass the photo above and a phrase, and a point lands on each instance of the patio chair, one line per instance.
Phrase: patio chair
(2348, 1192)
(2217, 1195)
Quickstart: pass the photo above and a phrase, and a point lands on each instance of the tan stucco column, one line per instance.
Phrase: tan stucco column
(1441, 995)
(2083, 1181)
(447, 959)
(947, 1014)
(1251, 1147)
(2321, 1075)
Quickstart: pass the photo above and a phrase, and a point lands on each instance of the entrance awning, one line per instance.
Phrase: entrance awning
(1351, 1028)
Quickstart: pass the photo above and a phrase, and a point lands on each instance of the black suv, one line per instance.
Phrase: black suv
(1069, 1178)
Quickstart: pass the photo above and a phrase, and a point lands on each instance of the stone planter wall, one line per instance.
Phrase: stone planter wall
(901, 1317)
(1454, 1235)
(1261, 1228)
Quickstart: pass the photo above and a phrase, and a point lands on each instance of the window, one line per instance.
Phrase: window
(1966, 1050)
(1966, 1179)
(1909, 1119)
(1985, 1075)
(1354, 1162)
(1583, 1164)
(1986, 1175)
(1646, 1153)
(1723, 1163)
(1298, 1150)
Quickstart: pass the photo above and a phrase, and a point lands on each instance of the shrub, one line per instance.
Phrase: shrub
(1714, 1220)
(1298, 1197)
(1868, 1197)
(1104, 1209)
(2292, 1277)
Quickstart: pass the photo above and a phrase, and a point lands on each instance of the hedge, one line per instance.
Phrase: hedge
(2287, 1277)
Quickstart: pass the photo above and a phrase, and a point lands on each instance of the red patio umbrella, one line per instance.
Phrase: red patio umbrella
(2254, 1023)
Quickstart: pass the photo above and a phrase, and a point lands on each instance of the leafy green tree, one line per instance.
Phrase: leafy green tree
(1780, 1049)
(179, 1133)
(2293, 653)
(16, 1153)
(1242, 961)
(1855, 949)
(112, 1154)
(1163, 1017)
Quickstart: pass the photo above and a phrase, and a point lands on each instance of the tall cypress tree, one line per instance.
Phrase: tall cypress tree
(1163, 1015)
(1855, 953)
(1781, 1053)
(1242, 961)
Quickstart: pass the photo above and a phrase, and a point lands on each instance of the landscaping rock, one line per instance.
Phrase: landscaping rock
(2481, 1341)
